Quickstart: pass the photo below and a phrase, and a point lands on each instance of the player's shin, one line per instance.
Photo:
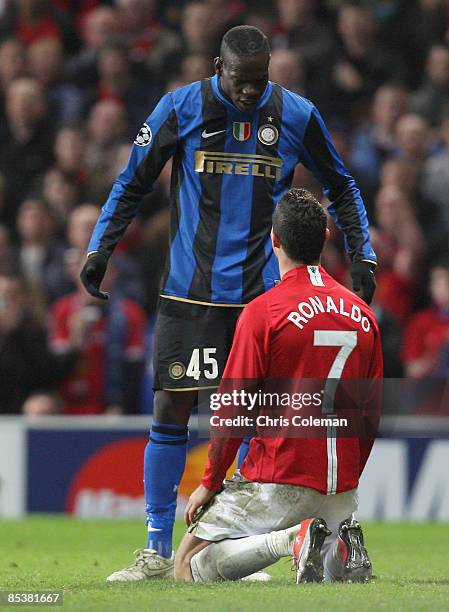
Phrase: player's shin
(164, 464)
(234, 559)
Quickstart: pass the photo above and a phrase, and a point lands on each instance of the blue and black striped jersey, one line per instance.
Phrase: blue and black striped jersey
(229, 170)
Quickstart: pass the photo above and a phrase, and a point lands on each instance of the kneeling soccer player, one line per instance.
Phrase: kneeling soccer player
(292, 497)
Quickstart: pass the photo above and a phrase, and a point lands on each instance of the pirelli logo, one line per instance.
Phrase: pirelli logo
(245, 164)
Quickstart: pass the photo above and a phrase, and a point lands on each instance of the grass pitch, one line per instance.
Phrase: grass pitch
(411, 564)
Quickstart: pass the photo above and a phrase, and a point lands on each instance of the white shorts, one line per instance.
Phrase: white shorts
(246, 508)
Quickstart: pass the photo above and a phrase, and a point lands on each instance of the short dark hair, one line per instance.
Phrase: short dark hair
(299, 221)
(244, 40)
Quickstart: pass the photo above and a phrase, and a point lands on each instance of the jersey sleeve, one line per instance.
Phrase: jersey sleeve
(373, 401)
(248, 359)
(153, 146)
(347, 208)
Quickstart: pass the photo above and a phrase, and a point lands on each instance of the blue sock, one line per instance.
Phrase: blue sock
(243, 451)
(164, 464)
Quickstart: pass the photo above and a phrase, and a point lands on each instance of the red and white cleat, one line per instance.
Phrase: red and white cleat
(307, 550)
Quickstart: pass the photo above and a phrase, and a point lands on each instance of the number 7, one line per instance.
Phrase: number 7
(347, 340)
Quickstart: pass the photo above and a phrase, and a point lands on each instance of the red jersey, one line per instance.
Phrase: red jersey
(307, 327)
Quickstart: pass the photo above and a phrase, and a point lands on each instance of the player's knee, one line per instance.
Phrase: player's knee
(165, 410)
(174, 408)
(202, 566)
(162, 407)
(226, 568)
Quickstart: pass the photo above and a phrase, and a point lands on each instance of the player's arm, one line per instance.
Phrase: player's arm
(346, 208)
(373, 401)
(246, 365)
(154, 145)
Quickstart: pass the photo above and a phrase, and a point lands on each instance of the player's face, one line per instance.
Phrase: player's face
(244, 79)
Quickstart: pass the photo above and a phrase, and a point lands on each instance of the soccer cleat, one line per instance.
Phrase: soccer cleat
(307, 550)
(147, 564)
(352, 553)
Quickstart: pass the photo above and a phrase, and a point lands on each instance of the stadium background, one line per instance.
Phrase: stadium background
(77, 79)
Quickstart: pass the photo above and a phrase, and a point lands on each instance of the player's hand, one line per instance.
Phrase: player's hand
(363, 279)
(92, 274)
(199, 497)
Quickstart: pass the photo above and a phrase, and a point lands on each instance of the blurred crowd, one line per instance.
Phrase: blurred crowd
(78, 78)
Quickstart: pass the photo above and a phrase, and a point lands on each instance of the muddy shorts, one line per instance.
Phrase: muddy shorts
(244, 508)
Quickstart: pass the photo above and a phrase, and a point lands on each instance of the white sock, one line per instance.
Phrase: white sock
(334, 565)
(234, 559)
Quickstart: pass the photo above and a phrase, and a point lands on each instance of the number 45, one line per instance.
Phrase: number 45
(194, 369)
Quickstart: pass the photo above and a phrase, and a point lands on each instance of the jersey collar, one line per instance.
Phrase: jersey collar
(215, 80)
(300, 271)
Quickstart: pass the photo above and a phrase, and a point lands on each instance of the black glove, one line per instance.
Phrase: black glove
(92, 274)
(363, 279)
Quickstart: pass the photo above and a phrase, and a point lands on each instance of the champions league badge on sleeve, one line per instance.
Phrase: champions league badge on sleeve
(268, 134)
(143, 138)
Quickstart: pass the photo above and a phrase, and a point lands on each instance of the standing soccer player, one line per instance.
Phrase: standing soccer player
(292, 497)
(235, 140)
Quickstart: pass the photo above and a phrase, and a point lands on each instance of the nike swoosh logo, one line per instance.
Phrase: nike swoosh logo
(209, 134)
(153, 529)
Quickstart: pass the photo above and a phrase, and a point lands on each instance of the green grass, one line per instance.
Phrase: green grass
(411, 564)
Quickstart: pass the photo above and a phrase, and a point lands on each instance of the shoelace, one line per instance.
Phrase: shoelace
(142, 557)
(139, 560)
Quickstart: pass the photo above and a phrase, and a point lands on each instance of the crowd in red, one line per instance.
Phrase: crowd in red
(78, 77)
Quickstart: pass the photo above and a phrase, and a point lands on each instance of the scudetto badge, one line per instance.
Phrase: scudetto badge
(268, 134)
(176, 370)
(241, 130)
(144, 136)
